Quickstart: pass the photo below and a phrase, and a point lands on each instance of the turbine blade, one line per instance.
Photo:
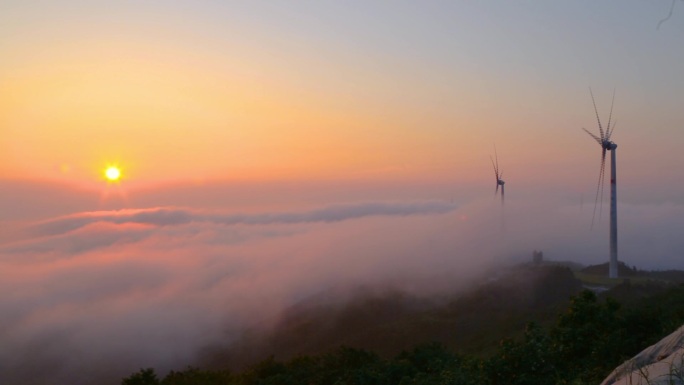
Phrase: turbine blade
(603, 136)
(496, 169)
(610, 116)
(497, 188)
(596, 138)
(496, 155)
(612, 128)
(499, 173)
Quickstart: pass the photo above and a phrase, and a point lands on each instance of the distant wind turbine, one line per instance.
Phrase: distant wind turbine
(606, 145)
(499, 175)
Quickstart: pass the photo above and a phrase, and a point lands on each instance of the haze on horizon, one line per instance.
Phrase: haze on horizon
(269, 152)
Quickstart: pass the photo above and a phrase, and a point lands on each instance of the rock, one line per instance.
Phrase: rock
(660, 364)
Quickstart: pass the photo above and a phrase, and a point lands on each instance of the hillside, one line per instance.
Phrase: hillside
(586, 342)
(533, 324)
(389, 322)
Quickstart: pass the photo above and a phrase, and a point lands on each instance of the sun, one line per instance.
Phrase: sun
(112, 173)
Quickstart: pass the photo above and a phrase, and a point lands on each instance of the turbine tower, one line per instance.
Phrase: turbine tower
(606, 144)
(498, 174)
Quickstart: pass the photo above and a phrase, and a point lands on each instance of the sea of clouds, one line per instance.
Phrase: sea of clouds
(93, 296)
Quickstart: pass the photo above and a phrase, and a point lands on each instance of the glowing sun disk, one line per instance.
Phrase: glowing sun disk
(113, 173)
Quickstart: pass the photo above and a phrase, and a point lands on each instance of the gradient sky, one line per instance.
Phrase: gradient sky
(273, 150)
(263, 90)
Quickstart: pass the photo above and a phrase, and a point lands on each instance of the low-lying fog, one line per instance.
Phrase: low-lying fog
(96, 295)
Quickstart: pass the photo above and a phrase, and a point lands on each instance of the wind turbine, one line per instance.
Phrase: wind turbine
(607, 145)
(498, 174)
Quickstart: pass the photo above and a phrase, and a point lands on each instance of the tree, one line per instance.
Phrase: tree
(143, 377)
(528, 362)
(669, 15)
(194, 376)
(587, 338)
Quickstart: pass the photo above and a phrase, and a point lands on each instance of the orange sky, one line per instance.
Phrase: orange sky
(261, 92)
(75, 109)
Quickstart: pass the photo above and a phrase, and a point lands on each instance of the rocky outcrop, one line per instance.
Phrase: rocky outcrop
(659, 364)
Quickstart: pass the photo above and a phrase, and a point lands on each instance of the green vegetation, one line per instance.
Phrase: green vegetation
(597, 276)
(587, 338)
(598, 280)
(391, 322)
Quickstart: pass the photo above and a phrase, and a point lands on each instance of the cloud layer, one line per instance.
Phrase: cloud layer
(150, 287)
(120, 290)
(178, 216)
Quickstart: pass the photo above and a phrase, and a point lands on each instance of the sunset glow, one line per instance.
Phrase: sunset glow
(174, 173)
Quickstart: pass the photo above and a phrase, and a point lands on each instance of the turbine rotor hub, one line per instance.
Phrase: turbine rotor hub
(608, 145)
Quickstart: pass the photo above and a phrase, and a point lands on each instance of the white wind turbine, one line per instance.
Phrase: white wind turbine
(499, 175)
(607, 145)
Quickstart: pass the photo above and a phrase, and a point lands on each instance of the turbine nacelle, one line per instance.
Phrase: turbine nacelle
(608, 145)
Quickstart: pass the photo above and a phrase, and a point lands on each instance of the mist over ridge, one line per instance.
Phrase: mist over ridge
(155, 286)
